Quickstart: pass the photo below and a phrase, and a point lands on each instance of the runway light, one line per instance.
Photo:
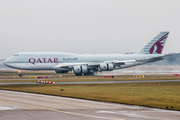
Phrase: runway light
(108, 76)
(46, 77)
(32, 77)
(177, 75)
(45, 82)
(43, 77)
(50, 82)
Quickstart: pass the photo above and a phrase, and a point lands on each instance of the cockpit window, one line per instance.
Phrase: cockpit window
(16, 55)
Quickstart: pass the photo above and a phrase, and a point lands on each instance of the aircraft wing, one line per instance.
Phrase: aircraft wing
(115, 62)
(154, 58)
(93, 64)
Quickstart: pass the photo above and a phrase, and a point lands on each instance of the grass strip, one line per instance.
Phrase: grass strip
(67, 79)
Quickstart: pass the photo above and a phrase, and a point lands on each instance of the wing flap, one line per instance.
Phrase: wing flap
(152, 59)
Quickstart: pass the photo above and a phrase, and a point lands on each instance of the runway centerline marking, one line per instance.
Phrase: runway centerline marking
(72, 113)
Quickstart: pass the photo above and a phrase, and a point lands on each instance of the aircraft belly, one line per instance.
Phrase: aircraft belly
(23, 66)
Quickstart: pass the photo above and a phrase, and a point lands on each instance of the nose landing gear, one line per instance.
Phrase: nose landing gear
(20, 74)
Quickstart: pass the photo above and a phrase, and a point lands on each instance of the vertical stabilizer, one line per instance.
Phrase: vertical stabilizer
(156, 45)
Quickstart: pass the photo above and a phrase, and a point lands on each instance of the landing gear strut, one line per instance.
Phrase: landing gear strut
(89, 73)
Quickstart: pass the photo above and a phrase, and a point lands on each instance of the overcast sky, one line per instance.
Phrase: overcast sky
(86, 26)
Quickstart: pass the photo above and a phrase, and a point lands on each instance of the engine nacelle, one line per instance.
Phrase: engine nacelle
(106, 67)
(110, 66)
(103, 67)
(61, 71)
(80, 69)
(77, 70)
(84, 69)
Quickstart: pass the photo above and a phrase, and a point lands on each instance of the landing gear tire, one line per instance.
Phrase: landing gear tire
(20, 75)
(85, 74)
(78, 74)
(89, 73)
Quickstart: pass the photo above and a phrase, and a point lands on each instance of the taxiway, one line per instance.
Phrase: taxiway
(21, 106)
(97, 82)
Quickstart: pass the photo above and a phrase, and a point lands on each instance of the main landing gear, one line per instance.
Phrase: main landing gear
(85, 74)
(89, 73)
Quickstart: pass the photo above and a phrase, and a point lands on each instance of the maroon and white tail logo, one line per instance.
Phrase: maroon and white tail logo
(158, 45)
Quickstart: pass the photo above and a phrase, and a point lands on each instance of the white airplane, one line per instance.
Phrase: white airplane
(87, 64)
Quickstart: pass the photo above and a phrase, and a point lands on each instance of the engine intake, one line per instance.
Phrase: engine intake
(106, 67)
(78, 70)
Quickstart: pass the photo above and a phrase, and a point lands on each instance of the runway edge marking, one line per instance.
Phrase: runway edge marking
(61, 111)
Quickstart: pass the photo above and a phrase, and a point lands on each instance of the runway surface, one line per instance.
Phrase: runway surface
(96, 82)
(28, 106)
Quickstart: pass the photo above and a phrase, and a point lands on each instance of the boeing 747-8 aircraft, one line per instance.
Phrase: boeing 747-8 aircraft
(87, 64)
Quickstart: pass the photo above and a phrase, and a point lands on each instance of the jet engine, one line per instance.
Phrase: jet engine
(106, 67)
(61, 71)
(79, 70)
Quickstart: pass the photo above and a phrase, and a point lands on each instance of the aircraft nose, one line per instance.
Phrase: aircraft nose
(7, 61)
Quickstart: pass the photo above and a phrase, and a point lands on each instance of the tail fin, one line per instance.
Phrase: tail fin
(156, 45)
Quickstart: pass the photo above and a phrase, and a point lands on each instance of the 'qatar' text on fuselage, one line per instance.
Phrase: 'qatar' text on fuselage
(43, 60)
